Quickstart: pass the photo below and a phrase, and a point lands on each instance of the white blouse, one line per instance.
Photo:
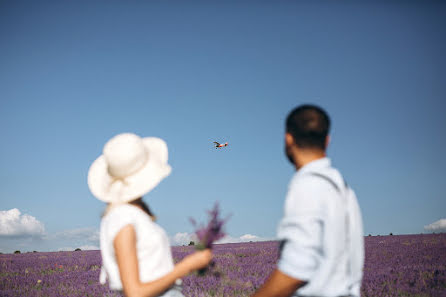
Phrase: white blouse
(152, 245)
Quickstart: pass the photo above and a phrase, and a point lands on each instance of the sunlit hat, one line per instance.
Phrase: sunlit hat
(129, 168)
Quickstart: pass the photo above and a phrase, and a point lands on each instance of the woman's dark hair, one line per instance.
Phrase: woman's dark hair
(309, 125)
(139, 202)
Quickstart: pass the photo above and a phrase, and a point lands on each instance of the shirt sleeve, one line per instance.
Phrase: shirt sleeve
(301, 231)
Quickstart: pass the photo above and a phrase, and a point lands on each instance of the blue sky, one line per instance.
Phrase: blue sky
(75, 73)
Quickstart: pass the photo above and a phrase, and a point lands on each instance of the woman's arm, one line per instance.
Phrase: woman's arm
(125, 250)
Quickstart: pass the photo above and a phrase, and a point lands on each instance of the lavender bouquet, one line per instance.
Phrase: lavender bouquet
(210, 233)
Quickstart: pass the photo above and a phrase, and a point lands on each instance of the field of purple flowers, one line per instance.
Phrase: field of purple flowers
(403, 265)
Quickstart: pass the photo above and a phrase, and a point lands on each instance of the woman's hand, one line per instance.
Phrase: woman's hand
(197, 260)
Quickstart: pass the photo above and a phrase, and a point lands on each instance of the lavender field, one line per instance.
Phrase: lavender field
(404, 265)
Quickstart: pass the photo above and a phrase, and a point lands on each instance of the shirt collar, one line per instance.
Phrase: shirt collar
(315, 165)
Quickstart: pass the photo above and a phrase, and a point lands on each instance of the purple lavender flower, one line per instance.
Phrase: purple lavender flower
(398, 265)
(212, 232)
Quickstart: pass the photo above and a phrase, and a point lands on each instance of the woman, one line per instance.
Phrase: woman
(136, 256)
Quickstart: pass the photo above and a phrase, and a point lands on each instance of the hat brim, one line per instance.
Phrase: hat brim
(111, 190)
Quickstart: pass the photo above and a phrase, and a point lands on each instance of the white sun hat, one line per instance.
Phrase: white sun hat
(129, 168)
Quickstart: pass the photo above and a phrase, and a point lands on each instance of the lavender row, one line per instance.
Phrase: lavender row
(404, 265)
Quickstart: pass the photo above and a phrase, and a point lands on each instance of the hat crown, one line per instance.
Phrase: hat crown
(125, 154)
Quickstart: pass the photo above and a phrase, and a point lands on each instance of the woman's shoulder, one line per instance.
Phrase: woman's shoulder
(119, 216)
(124, 210)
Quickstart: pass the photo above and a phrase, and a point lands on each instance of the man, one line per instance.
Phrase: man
(322, 250)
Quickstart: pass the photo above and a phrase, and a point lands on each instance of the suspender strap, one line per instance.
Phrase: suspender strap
(347, 223)
(327, 179)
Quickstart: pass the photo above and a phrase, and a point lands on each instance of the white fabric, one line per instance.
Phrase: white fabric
(152, 245)
(323, 233)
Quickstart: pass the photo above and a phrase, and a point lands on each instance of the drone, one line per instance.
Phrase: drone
(218, 145)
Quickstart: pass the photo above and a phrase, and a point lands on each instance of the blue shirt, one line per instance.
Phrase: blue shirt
(322, 233)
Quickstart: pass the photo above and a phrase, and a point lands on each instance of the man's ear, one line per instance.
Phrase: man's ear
(327, 141)
(289, 139)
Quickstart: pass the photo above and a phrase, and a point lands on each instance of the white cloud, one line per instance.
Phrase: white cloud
(183, 238)
(15, 224)
(65, 249)
(83, 247)
(26, 233)
(250, 237)
(89, 234)
(243, 238)
(89, 247)
(84, 238)
(438, 226)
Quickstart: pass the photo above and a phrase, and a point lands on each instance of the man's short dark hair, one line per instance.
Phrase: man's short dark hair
(309, 125)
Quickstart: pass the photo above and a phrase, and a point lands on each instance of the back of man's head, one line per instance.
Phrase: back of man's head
(309, 125)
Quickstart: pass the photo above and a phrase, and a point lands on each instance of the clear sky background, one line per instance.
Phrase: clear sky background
(75, 73)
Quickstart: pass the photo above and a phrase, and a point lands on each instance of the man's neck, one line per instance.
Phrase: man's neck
(303, 158)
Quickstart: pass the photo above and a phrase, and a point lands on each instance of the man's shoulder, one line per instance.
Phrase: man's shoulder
(327, 175)
(306, 191)
(315, 186)
(314, 181)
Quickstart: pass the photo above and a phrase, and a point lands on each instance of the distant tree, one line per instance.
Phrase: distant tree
(370, 234)
(17, 252)
(77, 250)
(390, 233)
(191, 243)
(34, 251)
